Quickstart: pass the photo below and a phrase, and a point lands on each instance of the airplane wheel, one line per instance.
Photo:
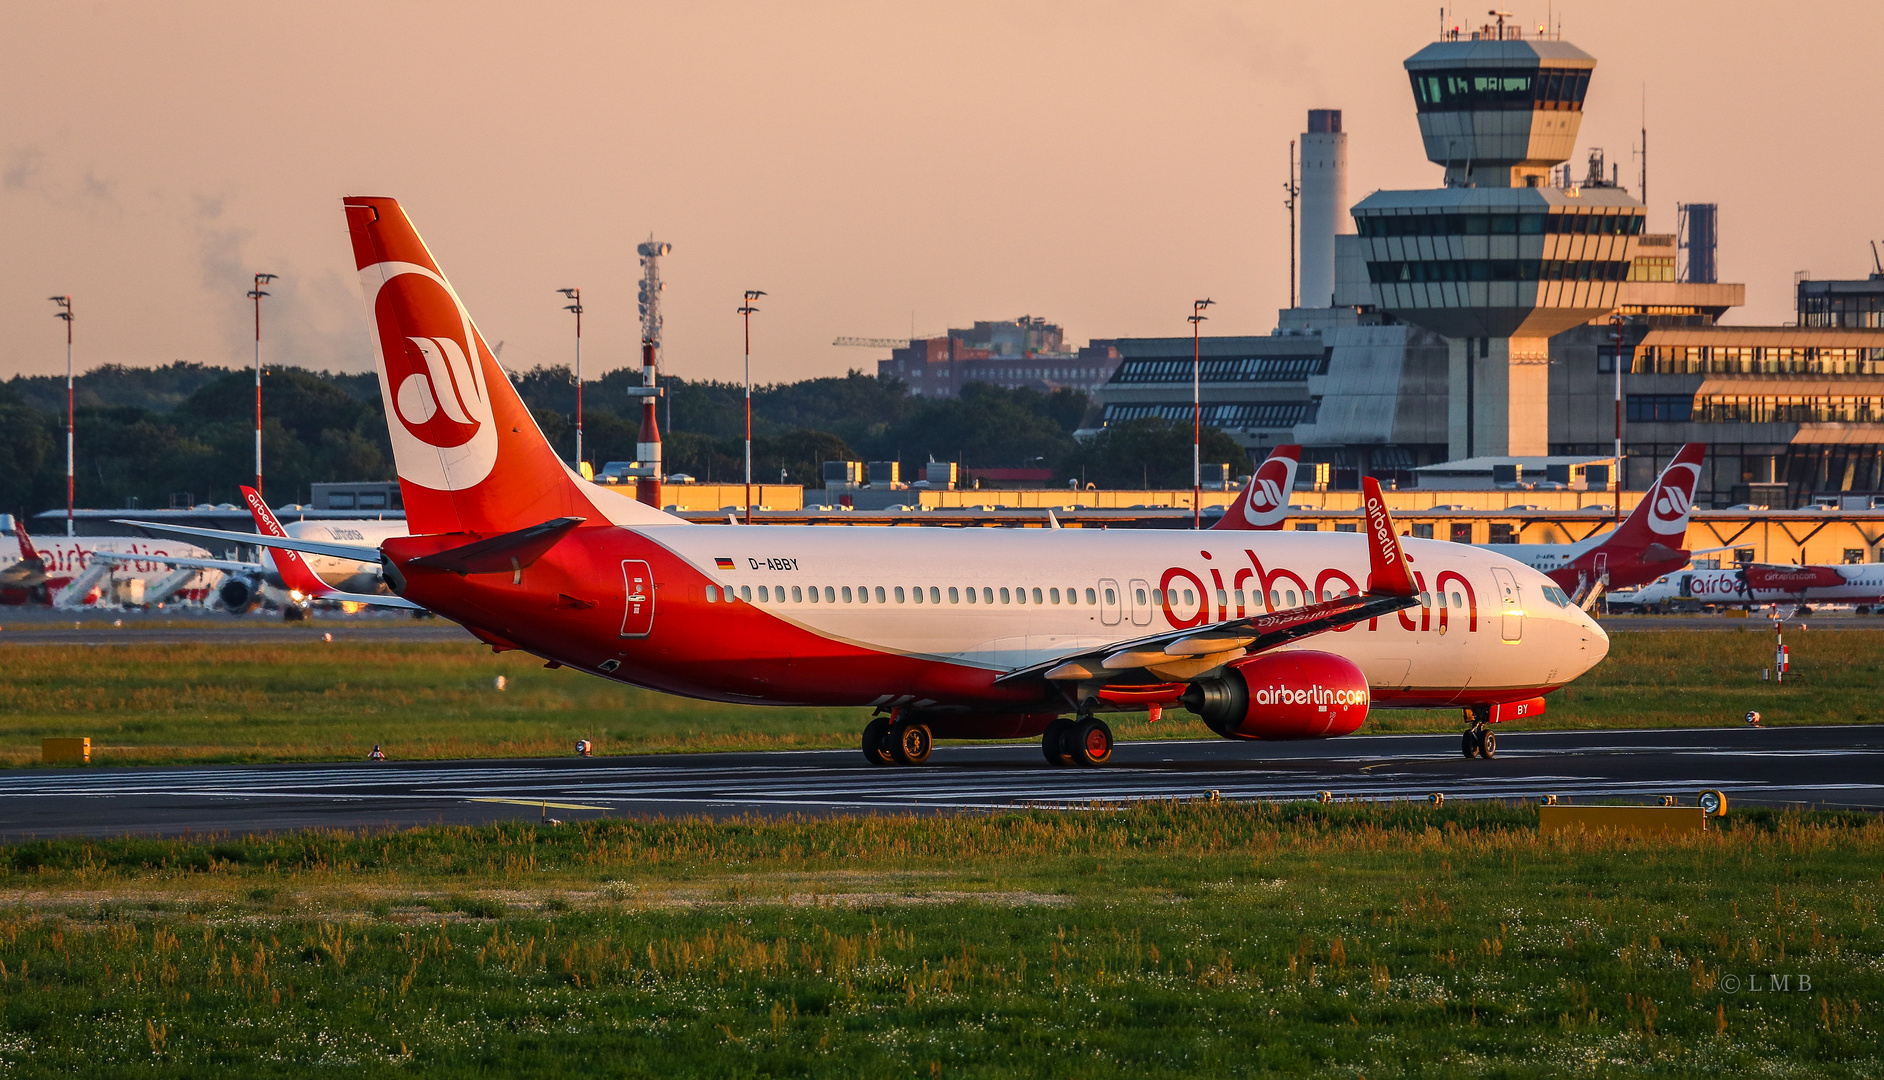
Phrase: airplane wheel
(1090, 743)
(876, 735)
(1488, 745)
(1468, 744)
(1053, 742)
(910, 743)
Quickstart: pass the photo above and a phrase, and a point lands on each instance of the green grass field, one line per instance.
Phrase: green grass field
(269, 702)
(1161, 940)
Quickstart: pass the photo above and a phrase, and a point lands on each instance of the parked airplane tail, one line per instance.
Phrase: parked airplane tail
(470, 457)
(28, 553)
(1661, 518)
(1264, 504)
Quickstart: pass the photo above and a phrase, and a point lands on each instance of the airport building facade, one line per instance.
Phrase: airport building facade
(1486, 317)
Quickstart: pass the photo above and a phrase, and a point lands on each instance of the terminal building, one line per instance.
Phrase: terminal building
(1485, 317)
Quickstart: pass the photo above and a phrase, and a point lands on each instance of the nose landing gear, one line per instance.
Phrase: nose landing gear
(1479, 740)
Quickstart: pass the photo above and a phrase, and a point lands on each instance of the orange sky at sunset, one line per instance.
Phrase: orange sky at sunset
(871, 166)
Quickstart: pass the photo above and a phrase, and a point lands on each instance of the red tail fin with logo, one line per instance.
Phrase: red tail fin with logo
(470, 457)
(1264, 504)
(1662, 515)
(296, 574)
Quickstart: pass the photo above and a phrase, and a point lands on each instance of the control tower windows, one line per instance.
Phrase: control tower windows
(1389, 272)
(1557, 89)
(1554, 224)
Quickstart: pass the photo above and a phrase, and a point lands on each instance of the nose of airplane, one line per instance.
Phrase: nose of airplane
(1596, 639)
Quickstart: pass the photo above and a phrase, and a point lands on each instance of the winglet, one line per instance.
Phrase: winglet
(295, 572)
(1388, 572)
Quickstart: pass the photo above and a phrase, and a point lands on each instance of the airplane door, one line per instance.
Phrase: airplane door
(1109, 602)
(1512, 624)
(1139, 593)
(637, 620)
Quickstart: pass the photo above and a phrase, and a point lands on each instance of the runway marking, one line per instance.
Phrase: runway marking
(542, 803)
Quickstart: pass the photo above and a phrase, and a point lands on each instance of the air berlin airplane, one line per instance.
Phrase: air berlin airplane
(1767, 583)
(946, 633)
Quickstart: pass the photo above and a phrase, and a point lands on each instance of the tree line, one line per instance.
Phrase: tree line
(184, 433)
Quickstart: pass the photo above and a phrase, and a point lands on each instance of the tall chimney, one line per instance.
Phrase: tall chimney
(1324, 203)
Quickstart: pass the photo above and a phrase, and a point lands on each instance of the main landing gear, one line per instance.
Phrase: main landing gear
(1479, 740)
(1084, 740)
(895, 741)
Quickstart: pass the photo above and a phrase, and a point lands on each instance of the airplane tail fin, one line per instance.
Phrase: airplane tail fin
(28, 553)
(295, 572)
(1264, 504)
(470, 457)
(1662, 515)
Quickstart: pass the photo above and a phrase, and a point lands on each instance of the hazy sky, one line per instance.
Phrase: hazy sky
(872, 166)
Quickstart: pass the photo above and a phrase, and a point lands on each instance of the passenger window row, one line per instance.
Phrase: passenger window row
(917, 594)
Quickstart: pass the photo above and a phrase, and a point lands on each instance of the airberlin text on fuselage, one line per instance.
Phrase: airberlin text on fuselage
(1313, 695)
(1327, 584)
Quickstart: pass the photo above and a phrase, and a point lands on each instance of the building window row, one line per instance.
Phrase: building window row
(1777, 409)
(1756, 360)
(1660, 408)
(1217, 369)
(1652, 268)
(1390, 272)
(1228, 416)
(1557, 223)
(1553, 89)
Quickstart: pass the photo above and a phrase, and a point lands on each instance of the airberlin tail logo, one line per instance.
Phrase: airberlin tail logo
(432, 376)
(1673, 499)
(1268, 499)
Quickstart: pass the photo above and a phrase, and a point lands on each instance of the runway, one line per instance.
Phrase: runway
(1796, 766)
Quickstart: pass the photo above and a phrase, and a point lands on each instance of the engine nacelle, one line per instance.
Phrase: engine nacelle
(1283, 695)
(237, 593)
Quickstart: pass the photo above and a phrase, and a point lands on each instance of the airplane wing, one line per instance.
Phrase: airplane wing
(226, 565)
(1181, 654)
(356, 552)
(24, 574)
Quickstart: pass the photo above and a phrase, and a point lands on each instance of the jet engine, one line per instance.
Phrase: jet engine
(238, 593)
(1282, 695)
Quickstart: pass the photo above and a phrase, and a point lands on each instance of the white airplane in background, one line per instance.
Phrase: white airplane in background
(245, 584)
(945, 633)
(71, 572)
(1759, 584)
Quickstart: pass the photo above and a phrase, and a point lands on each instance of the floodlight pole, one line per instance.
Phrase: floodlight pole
(747, 310)
(65, 313)
(575, 296)
(1197, 412)
(256, 295)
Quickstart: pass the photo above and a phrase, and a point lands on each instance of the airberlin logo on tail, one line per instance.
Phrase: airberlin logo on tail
(432, 376)
(1268, 499)
(1316, 694)
(1673, 499)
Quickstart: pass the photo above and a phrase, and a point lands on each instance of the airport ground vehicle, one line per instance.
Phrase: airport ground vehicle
(945, 633)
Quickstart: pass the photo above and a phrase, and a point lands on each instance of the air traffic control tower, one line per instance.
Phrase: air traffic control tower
(1506, 253)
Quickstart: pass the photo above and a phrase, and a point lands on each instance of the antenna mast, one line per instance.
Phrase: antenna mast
(1294, 189)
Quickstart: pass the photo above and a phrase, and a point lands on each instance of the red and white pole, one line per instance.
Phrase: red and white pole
(648, 443)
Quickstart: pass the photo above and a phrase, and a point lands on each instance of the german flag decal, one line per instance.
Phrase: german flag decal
(723, 563)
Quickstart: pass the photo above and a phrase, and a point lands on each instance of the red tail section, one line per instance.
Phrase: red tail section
(27, 551)
(1662, 515)
(295, 572)
(470, 457)
(1264, 504)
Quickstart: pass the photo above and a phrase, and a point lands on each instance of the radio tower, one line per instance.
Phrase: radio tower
(648, 445)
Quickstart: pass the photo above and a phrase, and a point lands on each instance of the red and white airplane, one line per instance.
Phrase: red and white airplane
(946, 633)
(75, 572)
(1765, 583)
(1644, 547)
